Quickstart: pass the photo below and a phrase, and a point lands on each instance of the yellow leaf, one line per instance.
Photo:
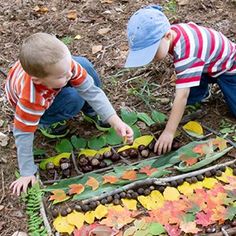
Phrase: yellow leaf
(171, 194)
(100, 212)
(126, 147)
(76, 218)
(157, 196)
(88, 152)
(89, 217)
(185, 189)
(153, 201)
(115, 207)
(77, 37)
(143, 140)
(62, 226)
(103, 150)
(197, 185)
(194, 127)
(224, 177)
(130, 204)
(209, 183)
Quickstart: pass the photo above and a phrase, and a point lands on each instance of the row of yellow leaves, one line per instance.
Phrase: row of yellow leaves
(151, 202)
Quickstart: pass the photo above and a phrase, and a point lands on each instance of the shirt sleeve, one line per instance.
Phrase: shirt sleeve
(79, 74)
(96, 98)
(24, 144)
(188, 72)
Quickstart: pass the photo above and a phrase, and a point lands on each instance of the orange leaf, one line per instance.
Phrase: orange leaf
(72, 15)
(188, 160)
(148, 170)
(92, 182)
(220, 143)
(76, 188)
(129, 175)
(58, 195)
(109, 179)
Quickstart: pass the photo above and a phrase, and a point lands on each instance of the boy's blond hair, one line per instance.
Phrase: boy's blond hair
(41, 50)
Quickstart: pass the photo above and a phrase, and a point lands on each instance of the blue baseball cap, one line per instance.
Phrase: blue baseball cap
(146, 28)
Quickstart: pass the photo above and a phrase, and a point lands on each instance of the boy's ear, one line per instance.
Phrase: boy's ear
(36, 80)
(168, 35)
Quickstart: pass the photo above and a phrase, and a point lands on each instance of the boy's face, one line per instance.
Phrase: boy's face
(162, 50)
(59, 74)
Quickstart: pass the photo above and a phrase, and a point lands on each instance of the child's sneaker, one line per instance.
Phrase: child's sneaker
(55, 130)
(208, 96)
(100, 125)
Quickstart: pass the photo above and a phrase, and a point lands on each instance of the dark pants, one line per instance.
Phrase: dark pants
(227, 84)
(68, 102)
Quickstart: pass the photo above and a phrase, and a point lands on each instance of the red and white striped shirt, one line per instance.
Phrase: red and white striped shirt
(197, 50)
(31, 100)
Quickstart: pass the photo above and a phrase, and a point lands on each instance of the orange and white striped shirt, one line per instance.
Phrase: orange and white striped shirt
(31, 100)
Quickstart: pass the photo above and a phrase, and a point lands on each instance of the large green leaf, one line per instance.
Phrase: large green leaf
(97, 143)
(64, 146)
(78, 142)
(136, 130)
(158, 116)
(145, 118)
(112, 138)
(156, 229)
(39, 152)
(129, 117)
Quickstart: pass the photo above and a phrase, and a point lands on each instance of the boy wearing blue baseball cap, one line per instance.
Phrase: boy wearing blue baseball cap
(201, 56)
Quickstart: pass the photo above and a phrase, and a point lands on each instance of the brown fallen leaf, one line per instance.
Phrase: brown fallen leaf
(182, 2)
(96, 49)
(106, 1)
(40, 9)
(72, 14)
(104, 31)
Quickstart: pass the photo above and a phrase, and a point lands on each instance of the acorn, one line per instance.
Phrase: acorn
(98, 156)
(109, 199)
(55, 213)
(141, 147)
(103, 201)
(122, 195)
(68, 210)
(85, 208)
(83, 160)
(208, 174)
(130, 191)
(64, 160)
(232, 166)
(128, 196)
(107, 154)
(161, 189)
(140, 191)
(63, 212)
(78, 208)
(213, 172)
(211, 229)
(194, 180)
(97, 203)
(218, 173)
(65, 166)
(103, 164)
(151, 145)
(133, 153)
(223, 168)
(233, 223)
(124, 153)
(200, 177)
(180, 181)
(116, 202)
(50, 166)
(189, 180)
(134, 195)
(146, 192)
(173, 183)
(87, 168)
(95, 162)
(116, 196)
(145, 153)
(152, 188)
(66, 173)
(92, 205)
(115, 157)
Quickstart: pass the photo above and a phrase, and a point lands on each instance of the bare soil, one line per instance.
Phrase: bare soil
(21, 18)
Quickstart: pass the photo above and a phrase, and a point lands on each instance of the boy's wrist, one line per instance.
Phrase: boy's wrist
(113, 120)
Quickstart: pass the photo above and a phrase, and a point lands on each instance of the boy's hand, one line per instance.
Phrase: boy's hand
(164, 143)
(21, 184)
(121, 128)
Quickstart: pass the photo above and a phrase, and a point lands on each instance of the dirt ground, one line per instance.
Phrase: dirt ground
(100, 26)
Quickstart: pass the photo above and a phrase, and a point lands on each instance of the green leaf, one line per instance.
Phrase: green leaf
(231, 212)
(158, 116)
(156, 229)
(78, 142)
(39, 152)
(136, 130)
(145, 118)
(189, 217)
(129, 117)
(97, 143)
(112, 138)
(64, 146)
(227, 130)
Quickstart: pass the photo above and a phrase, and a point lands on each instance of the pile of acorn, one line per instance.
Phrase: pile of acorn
(134, 193)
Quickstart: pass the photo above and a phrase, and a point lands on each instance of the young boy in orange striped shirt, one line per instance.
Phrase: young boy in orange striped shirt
(46, 87)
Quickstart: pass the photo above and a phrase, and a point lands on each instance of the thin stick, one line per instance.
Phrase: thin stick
(3, 187)
(3, 72)
(75, 165)
(45, 219)
(231, 231)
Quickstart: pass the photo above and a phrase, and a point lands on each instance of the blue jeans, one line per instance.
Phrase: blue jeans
(227, 84)
(68, 102)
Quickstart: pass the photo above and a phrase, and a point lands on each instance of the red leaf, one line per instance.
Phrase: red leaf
(76, 189)
(148, 170)
(203, 219)
(173, 230)
(58, 195)
(129, 175)
(109, 179)
(92, 182)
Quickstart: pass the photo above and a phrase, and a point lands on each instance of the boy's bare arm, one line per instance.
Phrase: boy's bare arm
(164, 142)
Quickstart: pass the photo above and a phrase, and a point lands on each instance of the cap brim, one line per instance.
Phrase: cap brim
(141, 57)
